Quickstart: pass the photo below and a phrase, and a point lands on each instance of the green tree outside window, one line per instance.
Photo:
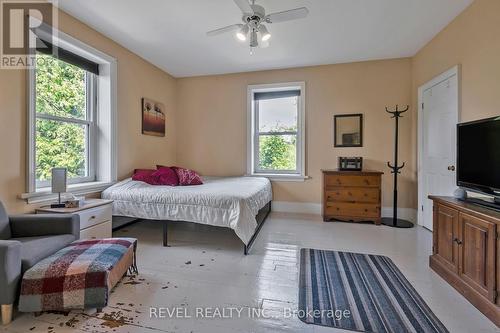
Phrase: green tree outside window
(60, 92)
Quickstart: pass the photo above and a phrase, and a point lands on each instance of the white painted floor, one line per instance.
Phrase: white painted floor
(205, 267)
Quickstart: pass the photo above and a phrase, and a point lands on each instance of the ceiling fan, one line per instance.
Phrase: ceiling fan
(254, 17)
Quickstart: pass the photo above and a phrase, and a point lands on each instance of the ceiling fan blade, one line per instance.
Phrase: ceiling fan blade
(229, 28)
(287, 15)
(244, 6)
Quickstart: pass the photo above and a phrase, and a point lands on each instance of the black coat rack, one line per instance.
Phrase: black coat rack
(395, 169)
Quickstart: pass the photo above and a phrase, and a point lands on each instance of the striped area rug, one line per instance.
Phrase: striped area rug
(360, 292)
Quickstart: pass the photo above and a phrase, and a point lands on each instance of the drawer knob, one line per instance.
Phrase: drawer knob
(92, 217)
(366, 210)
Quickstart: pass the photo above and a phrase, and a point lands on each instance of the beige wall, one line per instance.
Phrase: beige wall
(473, 41)
(212, 109)
(136, 79)
(212, 122)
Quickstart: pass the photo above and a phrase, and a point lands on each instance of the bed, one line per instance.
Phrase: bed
(239, 203)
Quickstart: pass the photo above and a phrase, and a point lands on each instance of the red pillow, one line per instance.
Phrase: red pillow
(143, 175)
(187, 177)
(165, 176)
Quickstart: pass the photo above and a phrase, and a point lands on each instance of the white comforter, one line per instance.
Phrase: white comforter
(231, 202)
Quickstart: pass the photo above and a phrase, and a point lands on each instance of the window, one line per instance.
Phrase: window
(65, 119)
(276, 134)
(72, 102)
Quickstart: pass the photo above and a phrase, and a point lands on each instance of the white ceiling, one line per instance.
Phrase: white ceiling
(171, 33)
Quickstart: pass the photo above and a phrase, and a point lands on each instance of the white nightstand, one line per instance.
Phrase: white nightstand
(95, 217)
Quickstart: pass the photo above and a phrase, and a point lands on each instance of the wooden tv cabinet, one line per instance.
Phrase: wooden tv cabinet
(466, 252)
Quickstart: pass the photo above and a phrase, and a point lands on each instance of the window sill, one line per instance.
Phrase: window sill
(44, 194)
(281, 178)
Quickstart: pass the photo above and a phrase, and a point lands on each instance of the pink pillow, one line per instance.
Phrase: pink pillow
(165, 176)
(144, 175)
(187, 177)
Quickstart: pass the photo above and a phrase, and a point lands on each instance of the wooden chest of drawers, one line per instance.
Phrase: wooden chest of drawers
(352, 196)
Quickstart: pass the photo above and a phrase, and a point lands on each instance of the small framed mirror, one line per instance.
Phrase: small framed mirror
(348, 130)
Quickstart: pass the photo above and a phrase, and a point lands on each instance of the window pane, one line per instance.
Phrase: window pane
(278, 152)
(278, 115)
(60, 88)
(60, 144)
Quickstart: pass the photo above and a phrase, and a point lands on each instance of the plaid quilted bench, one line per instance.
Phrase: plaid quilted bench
(80, 276)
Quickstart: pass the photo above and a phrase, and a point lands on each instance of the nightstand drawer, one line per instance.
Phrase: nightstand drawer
(90, 217)
(353, 194)
(353, 181)
(352, 209)
(102, 230)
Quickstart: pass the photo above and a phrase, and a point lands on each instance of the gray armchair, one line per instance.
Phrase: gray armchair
(24, 241)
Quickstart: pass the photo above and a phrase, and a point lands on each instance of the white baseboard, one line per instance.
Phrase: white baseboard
(409, 214)
(296, 207)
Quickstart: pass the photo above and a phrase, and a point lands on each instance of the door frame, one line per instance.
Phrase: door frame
(457, 71)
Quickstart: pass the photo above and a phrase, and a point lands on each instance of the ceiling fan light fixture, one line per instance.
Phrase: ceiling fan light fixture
(253, 30)
(254, 42)
(242, 33)
(266, 35)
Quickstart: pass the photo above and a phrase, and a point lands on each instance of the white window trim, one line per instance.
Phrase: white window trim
(45, 195)
(301, 131)
(106, 151)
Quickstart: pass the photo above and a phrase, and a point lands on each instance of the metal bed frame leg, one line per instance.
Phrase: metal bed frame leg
(165, 234)
(246, 248)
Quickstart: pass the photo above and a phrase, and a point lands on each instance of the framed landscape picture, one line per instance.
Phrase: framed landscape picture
(153, 118)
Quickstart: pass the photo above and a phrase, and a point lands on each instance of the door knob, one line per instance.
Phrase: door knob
(451, 168)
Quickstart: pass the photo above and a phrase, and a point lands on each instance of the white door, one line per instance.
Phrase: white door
(438, 144)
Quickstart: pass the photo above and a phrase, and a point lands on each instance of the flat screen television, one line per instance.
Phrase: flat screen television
(478, 156)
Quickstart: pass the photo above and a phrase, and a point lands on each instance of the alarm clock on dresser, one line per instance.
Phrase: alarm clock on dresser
(350, 163)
